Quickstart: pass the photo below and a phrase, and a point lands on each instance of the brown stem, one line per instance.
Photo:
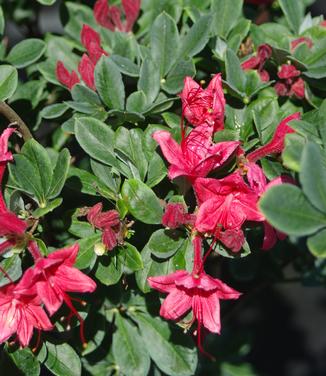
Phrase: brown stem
(13, 117)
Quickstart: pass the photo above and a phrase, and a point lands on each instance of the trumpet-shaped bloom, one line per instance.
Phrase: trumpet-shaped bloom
(197, 156)
(225, 204)
(110, 17)
(20, 315)
(52, 277)
(204, 106)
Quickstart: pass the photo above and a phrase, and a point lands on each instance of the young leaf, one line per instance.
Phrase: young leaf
(26, 52)
(8, 81)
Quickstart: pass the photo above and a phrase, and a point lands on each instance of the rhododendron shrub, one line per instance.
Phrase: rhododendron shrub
(161, 164)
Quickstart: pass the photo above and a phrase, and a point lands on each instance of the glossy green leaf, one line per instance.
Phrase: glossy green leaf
(25, 361)
(164, 42)
(62, 360)
(8, 81)
(226, 15)
(50, 206)
(12, 267)
(96, 138)
(86, 254)
(149, 80)
(129, 350)
(313, 176)
(109, 269)
(125, 65)
(26, 52)
(294, 12)
(141, 201)
(165, 243)
(173, 359)
(317, 244)
(109, 84)
(234, 73)
(60, 174)
(287, 209)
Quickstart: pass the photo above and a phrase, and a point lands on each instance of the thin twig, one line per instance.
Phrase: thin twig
(13, 117)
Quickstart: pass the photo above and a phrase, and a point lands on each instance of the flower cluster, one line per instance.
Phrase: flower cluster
(225, 205)
(44, 284)
(110, 18)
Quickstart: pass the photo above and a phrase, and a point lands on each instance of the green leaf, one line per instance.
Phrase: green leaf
(313, 176)
(136, 102)
(141, 201)
(149, 80)
(152, 267)
(2, 21)
(164, 42)
(39, 157)
(107, 176)
(173, 83)
(226, 15)
(294, 13)
(317, 244)
(12, 266)
(288, 210)
(60, 174)
(50, 206)
(46, 2)
(96, 138)
(130, 257)
(109, 269)
(128, 349)
(86, 254)
(125, 65)
(196, 38)
(294, 145)
(62, 360)
(25, 361)
(172, 359)
(26, 52)
(165, 243)
(8, 81)
(234, 73)
(109, 84)
(130, 143)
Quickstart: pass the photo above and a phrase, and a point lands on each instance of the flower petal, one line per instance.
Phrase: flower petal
(175, 305)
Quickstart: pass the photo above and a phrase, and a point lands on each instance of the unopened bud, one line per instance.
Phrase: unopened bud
(99, 249)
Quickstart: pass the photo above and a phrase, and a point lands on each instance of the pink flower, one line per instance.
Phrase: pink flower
(175, 215)
(204, 106)
(225, 204)
(194, 291)
(110, 16)
(65, 77)
(86, 70)
(264, 52)
(296, 42)
(91, 40)
(290, 83)
(11, 226)
(109, 222)
(276, 145)
(20, 315)
(197, 156)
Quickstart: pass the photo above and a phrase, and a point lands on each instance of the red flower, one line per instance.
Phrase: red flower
(86, 70)
(296, 42)
(290, 83)
(109, 222)
(65, 77)
(20, 314)
(264, 52)
(110, 16)
(91, 40)
(204, 106)
(225, 204)
(194, 291)
(175, 215)
(197, 156)
(276, 145)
